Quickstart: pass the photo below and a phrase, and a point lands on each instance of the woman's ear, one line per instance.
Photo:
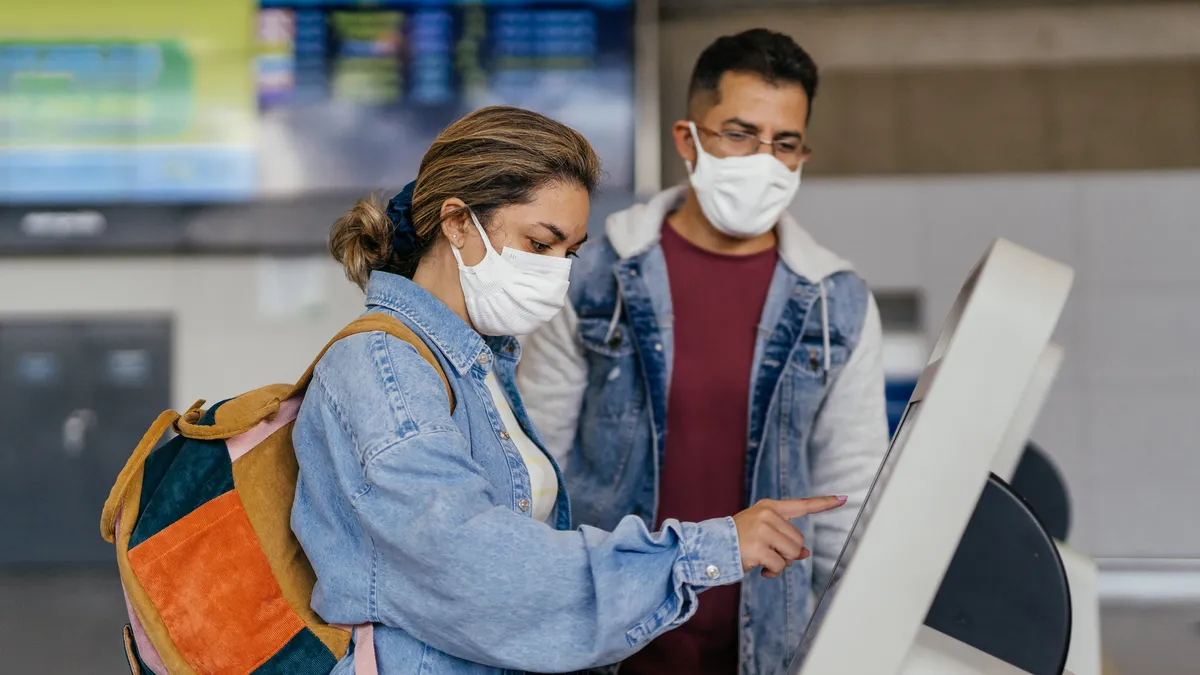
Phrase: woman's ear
(455, 221)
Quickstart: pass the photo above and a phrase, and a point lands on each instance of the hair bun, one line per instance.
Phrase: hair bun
(399, 211)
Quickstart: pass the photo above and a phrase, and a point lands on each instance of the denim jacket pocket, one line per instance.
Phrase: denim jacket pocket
(615, 389)
(809, 359)
(600, 336)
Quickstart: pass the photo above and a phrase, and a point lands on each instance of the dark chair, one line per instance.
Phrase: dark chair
(1005, 592)
(1040, 483)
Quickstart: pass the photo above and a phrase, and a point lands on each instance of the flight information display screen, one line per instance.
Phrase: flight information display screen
(350, 96)
(233, 100)
(126, 100)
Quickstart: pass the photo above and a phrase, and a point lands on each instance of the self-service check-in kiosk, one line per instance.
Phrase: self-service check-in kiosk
(946, 570)
(1083, 656)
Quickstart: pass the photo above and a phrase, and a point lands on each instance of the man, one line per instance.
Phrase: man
(712, 355)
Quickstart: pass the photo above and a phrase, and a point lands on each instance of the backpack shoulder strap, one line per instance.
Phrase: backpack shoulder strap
(374, 323)
(112, 505)
(245, 412)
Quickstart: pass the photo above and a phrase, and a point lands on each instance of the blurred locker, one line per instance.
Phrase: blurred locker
(75, 398)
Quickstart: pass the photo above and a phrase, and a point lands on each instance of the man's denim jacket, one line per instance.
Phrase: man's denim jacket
(596, 380)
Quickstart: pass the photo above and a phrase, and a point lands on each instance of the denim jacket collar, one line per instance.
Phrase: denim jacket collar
(639, 228)
(460, 344)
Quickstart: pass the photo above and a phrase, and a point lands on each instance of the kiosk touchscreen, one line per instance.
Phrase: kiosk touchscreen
(868, 617)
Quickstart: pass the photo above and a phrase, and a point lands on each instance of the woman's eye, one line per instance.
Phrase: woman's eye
(539, 247)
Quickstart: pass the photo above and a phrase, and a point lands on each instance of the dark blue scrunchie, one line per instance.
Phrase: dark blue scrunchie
(399, 210)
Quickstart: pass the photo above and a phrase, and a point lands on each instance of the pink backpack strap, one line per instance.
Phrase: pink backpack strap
(146, 650)
(364, 650)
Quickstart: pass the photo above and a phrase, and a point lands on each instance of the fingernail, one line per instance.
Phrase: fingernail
(842, 498)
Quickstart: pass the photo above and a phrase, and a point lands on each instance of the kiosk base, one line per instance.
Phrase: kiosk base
(935, 653)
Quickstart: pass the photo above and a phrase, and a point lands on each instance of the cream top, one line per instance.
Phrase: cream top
(542, 479)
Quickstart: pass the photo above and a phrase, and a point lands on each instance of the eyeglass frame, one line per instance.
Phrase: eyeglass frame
(805, 152)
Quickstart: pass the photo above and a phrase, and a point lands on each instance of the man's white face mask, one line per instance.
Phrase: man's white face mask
(742, 196)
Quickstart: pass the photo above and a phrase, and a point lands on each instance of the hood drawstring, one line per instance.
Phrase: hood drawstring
(612, 324)
(616, 318)
(825, 329)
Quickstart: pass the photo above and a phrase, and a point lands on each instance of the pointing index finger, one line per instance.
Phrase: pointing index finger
(796, 508)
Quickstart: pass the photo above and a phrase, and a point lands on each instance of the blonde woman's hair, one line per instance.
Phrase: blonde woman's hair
(494, 157)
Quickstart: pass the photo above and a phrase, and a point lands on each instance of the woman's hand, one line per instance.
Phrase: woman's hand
(767, 538)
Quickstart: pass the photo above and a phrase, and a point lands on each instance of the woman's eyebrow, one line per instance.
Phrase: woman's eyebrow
(555, 230)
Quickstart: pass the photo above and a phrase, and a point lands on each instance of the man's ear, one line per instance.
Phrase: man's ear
(685, 144)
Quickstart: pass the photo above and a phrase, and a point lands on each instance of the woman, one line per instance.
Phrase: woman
(450, 531)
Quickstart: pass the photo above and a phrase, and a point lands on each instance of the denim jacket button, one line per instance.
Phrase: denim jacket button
(482, 359)
(523, 504)
(658, 347)
(504, 436)
(713, 572)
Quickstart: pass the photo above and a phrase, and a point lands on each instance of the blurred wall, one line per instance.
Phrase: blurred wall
(235, 329)
(1120, 421)
(1073, 130)
(937, 90)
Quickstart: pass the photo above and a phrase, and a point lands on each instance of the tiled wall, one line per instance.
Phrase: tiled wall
(1123, 421)
(926, 89)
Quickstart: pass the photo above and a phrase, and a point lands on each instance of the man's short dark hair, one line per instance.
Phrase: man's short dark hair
(774, 57)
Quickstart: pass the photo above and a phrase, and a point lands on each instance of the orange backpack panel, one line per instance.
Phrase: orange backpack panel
(215, 581)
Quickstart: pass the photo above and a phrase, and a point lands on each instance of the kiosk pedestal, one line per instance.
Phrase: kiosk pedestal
(933, 653)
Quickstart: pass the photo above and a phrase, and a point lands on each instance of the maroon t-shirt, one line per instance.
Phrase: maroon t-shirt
(717, 302)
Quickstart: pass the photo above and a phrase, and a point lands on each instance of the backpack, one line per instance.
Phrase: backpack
(215, 581)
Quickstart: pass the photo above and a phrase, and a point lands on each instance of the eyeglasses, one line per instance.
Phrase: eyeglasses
(736, 143)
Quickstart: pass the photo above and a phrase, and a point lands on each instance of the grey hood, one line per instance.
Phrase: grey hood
(638, 228)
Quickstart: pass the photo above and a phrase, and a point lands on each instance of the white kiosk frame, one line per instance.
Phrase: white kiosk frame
(1082, 575)
(1019, 430)
(868, 620)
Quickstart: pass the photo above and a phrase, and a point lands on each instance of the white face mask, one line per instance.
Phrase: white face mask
(742, 196)
(515, 292)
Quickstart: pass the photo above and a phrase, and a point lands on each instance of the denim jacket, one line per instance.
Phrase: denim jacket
(418, 520)
(596, 381)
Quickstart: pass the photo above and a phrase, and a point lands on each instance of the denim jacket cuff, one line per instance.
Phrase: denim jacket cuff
(711, 556)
